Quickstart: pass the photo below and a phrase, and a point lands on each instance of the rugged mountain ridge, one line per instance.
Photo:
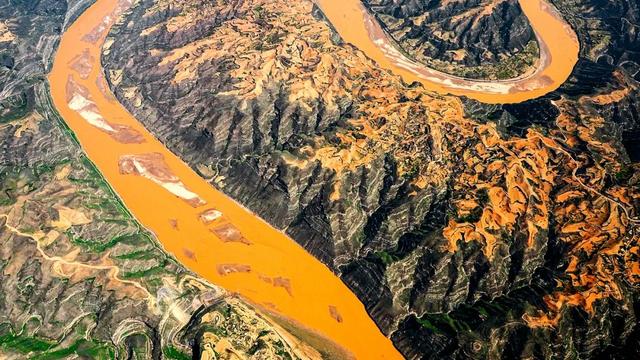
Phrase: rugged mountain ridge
(23, 56)
(488, 39)
(79, 276)
(467, 230)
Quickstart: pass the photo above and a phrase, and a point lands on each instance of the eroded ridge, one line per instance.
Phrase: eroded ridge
(439, 218)
(68, 239)
(80, 277)
(189, 216)
(557, 43)
(482, 39)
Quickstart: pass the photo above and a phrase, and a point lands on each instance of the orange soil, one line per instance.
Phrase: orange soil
(282, 274)
(558, 44)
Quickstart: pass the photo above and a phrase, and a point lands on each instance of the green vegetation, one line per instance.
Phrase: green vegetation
(24, 344)
(443, 323)
(427, 324)
(158, 269)
(137, 255)
(98, 247)
(624, 174)
(44, 349)
(82, 348)
(173, 353)
(16, 181)
(226, 311)
(258, 11)
(386, 257)
(95, 180)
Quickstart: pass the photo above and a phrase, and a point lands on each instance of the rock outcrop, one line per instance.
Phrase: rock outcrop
(467, 230)
(487, 39)
(79, 276)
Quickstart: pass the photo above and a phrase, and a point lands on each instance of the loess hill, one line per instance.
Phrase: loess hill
(467, 230)
(79, 276)
(480, 39)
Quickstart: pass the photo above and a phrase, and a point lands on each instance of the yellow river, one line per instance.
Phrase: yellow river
(234, 248)
(559, 48)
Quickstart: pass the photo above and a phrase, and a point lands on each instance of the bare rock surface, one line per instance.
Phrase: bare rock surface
(467, 230)
(79, 276)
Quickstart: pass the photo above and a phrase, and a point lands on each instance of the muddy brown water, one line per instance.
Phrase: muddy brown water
(258, 262)
(559, 49)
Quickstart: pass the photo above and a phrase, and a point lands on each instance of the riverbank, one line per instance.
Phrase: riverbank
(236, 249)
(559, 48)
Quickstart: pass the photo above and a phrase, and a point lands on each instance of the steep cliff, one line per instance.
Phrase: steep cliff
(485, 39)
(79, 276)
(467, 230)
